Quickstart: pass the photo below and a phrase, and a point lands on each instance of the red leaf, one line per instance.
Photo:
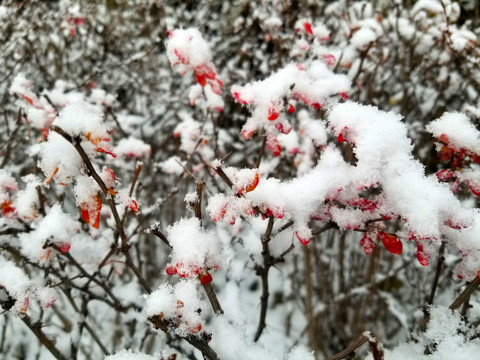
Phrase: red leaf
(201, 78)
(474, 187)
(308, 28)
(367, 243)
(302, 240)
(342, 136)
(253, 184)
(391, 243)
(51, 176)
(106, 150)
(237, 97)
(247, 134)
(64, 246)
(8, 211)
(445, 153)
(91, 211)
(30, 101)
(133, 206)
(274, 146)
(443, 138)
(421, 256)
(195, 329)
(444, 175)
(291, 108)
(220, 215)
(272, 114)
(329, 59)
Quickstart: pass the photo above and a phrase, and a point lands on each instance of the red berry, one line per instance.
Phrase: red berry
(170, 270)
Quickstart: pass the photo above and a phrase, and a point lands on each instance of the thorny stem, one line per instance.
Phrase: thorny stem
(110, 199)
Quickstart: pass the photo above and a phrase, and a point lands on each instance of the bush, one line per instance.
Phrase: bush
(239, 180)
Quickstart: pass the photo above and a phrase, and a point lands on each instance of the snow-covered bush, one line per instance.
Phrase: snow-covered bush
(239, 180)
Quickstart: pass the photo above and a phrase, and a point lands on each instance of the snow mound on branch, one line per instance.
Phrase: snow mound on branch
(461, 133)
(58, 159)
(383, 151)
(193, 247)
(179, 305)
(81, 118)
(57, 227)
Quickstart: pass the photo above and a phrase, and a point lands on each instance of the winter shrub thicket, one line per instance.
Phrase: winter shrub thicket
(239, 179)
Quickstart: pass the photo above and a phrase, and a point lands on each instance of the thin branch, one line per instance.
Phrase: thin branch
(199, 341)
(262, 271)
(465, 294)
(118, 304)
(261, 152)
(47, 342)
(212, 297)
(365, 337)
(111, 202)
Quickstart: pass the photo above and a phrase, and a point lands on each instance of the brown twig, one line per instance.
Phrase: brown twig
(212, 297)
(261, 152)
(36, 328)
(199, 341)
(111, 202)
(209, 290)
(262, 271)
(465, 294)
(377, 352)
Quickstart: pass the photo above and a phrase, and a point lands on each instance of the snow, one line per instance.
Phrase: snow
(58, 153)
(57, 226)
(128, 354)
(461, 133)
(173, 165)
(80, 118)
(193, 248)
(444, 335)
(179, 304)
(133, 148)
